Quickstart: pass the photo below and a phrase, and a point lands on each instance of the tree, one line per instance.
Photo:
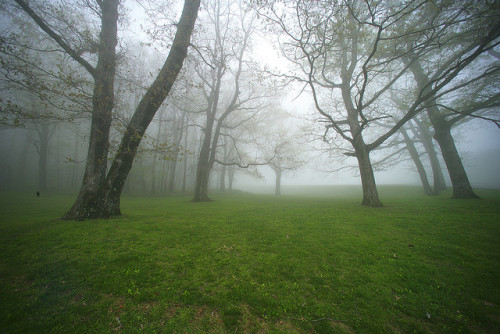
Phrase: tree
(422, 132)
(38, 89)
(107, 202)
(353, 52)
(99, 195)
(286, 159)
(442, 133)
(416, 160)
(103, 74)
(221, 73)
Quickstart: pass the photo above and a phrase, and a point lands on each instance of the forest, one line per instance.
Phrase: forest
(96, 97)
(294, 157)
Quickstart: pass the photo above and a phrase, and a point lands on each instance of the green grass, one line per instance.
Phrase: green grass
(253, 263)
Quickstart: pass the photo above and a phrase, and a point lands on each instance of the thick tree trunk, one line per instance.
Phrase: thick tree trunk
(149, 104)
(442, 134)
(370, 193)
(277, 188)
(106, 201)
(201, 187)
(458, 175)
(418, 164)
(456, 170)
(102, 104)
(205, 162)
(204, 166)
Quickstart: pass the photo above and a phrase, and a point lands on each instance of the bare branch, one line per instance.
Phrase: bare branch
(56, 37)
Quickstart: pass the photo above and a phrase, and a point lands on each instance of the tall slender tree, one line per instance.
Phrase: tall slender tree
(231, 29)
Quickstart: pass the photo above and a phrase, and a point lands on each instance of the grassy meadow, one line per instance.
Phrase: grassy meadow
(245, 263)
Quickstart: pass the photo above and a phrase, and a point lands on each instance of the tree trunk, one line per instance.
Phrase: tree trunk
(458, 175)
(203, 168)
(277, 188)
(370, 194)
(427, 141)
(145, 111)
(442, 134)
(106, 201)
(184, 167)
(201, 187)
(416, 160)
(171, 176)
(230, 173)
(204, 159)
(173, 163)
(102, 104)
(222, 180)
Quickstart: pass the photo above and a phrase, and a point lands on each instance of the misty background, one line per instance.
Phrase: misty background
(45, 131)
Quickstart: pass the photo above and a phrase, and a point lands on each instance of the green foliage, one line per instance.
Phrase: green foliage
(248, 263)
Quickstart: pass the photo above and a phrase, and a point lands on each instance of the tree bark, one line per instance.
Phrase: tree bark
(437, 172)
(370, 193)
(362, 153)
(145, 111)
(106, 202)
(418, 164)
(442, 134)
(458, 175)
(102, 104)
(204, 164)
(202, 179)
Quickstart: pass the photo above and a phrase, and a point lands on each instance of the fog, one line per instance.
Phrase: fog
(269, 117)
(479, 145)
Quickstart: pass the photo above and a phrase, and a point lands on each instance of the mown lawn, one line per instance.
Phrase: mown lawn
(253, 263)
